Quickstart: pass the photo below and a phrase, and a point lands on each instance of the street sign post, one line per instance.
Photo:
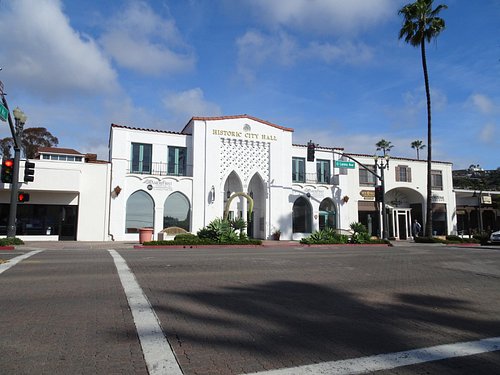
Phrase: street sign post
(4, 113)
(345, 164)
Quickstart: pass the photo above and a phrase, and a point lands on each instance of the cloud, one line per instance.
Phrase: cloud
(323, 16)
(41, 53)
(257, 49)
(190, 103)
(141, 40)
(487, 133)
(482, 103)
(347, 52)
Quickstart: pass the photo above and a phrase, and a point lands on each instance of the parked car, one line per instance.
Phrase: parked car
(495, 237)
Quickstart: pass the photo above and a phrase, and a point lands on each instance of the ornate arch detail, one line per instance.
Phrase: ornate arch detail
(245, 156)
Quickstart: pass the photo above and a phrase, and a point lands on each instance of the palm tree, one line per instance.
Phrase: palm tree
(421, 23)
(418, 145)
(384, 145)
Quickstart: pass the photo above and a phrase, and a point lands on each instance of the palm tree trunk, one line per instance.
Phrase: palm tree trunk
(428, 219)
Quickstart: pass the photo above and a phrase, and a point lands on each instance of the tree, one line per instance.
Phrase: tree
(31, 140)
(420, 24)
(6, 144)
(384, 146)
(418, 145)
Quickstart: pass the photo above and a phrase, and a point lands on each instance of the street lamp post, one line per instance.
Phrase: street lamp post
(20, 120)
(382, 162)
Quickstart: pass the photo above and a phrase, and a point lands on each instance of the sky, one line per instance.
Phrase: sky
(333, 70)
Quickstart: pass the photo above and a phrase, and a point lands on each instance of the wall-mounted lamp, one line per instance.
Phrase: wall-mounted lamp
(228, 194)
(116, 191)
(251, 194)
(212, 194)
(308, 195)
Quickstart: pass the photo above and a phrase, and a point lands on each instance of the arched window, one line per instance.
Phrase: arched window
(301, 216)
(140, 212)
(327, 214)
(177, 211)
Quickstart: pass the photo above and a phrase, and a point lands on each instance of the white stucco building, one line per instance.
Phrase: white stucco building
(163, 178)
(69, 198)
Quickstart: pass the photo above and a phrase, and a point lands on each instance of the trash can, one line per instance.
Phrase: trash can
(145, 235)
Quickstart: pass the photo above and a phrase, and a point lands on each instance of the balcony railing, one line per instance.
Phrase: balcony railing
(161, 169)
(313, 178)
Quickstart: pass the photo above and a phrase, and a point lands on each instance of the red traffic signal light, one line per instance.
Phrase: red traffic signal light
(7, 171)
(23, 197)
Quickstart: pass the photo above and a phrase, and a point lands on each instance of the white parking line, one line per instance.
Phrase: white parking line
(158, 354)
(12, 262)
(389, 361)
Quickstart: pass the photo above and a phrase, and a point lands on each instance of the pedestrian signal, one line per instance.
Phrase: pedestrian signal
(23, 197)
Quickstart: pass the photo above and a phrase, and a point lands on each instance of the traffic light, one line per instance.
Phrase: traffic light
(29, 171)
(23, 197)
(7, 170)
(310, 151)
(379, 193)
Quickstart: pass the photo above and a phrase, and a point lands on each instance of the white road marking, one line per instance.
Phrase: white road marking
(389, 361)
(158, 354)
(12, 262)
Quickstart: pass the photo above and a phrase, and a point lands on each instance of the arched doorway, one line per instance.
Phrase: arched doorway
(256, 222)
(327, 214)
(233, 185)
(139, 212)
(302, 216)
(177, 211)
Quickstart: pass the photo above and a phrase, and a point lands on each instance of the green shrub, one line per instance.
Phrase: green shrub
(454, 238)
(360, 234)
(197, 241)
(10, 241)
(325, 236)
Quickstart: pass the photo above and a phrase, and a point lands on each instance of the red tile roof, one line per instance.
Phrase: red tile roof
(143, 129)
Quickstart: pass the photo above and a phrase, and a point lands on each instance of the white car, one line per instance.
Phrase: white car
(495, 237)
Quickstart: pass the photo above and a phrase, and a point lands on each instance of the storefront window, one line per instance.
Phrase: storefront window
(302, 216)
(140, 212)
(177, 211)
(327, 213)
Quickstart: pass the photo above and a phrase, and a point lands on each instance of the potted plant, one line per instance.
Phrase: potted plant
(276, 234)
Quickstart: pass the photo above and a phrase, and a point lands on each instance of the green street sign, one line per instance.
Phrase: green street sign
(3, 113)
(345, 164)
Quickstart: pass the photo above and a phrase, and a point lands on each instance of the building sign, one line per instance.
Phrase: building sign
(486, 199)
(368, 195)
(158, 185)
(437, 198)
(246, 135)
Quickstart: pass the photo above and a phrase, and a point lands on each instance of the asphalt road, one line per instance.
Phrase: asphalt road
(235, 311)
